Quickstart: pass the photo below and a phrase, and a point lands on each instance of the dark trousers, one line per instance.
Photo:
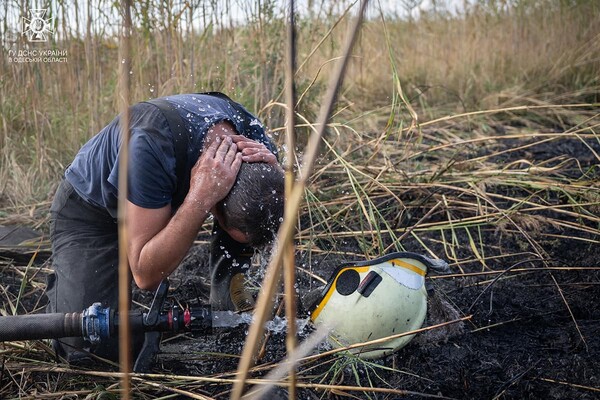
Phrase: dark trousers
(85, 262)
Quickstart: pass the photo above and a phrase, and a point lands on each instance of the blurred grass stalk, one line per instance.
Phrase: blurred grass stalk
(490, 55)
(124, 284)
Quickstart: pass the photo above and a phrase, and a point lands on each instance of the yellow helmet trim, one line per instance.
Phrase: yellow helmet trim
(408, 266)
(331, 290)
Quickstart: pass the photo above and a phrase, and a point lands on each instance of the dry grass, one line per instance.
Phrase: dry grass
(503, 165)
(479, 59)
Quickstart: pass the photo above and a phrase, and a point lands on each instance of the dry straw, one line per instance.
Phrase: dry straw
(289, 260)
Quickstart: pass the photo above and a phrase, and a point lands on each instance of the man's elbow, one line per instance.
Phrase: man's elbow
(145, 281)
(147, 284)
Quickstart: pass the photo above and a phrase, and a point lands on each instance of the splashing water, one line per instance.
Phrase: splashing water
(230, 319)
(279, 324)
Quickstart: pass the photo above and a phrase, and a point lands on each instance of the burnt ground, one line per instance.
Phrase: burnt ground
(532, 334)
(521, 342)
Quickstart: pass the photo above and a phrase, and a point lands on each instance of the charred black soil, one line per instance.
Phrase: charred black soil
(532, 334)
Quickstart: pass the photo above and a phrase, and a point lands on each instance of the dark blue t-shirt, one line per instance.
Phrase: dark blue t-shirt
(151, 177)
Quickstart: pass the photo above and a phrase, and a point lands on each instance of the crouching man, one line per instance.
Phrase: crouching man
(190, 155)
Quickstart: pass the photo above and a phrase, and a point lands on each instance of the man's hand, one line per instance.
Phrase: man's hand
(253, 151)
(157, 241)
(215, 171)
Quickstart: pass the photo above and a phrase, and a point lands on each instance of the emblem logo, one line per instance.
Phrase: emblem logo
(37, 28)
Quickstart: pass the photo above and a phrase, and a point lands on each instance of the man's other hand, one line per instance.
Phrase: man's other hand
(253, 151)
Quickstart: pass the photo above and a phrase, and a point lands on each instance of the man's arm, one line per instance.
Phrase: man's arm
(157, 241)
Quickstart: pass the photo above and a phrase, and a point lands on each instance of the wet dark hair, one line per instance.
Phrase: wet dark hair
(255, 203)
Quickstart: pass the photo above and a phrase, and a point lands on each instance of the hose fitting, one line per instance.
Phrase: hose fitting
(95, 323)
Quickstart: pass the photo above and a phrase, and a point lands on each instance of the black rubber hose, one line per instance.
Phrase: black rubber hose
(40, 326)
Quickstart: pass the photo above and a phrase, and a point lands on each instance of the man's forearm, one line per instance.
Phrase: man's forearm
(162, 254)
(158, 242)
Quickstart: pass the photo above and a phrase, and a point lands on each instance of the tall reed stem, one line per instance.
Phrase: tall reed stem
(286, 231)
(289, 265)
(124, 283)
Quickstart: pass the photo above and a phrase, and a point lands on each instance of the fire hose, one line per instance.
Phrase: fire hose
(97, 323)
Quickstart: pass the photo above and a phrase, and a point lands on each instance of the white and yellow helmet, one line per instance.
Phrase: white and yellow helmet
(375, 299)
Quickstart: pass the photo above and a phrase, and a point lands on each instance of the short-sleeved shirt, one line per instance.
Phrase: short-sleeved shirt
(152, 180)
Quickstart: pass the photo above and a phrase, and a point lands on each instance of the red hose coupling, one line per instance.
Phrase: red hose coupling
(187, 317)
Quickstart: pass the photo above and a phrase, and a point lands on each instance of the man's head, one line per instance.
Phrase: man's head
(254, 206)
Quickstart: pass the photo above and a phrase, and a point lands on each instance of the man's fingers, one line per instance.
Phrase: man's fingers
(212, 149)
(248, 151)
(252, 151)
(245, 143)
(241, 138)
(251, 145)
(237, 163)
(266, 157)
(224, 148)
(231, 154)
